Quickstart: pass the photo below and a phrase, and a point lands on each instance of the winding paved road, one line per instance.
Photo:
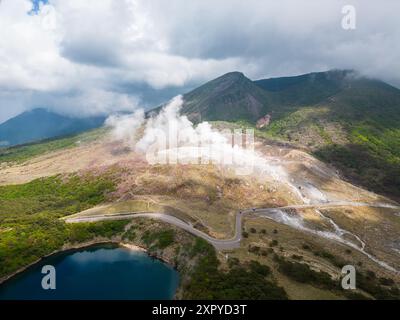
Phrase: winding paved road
(219, 244)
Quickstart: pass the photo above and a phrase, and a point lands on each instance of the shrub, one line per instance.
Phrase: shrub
(386, 282)
(159, 239)
(232, 262)
(297, 257)
(371, 286)
(254, 249)
(336, 261)
(302, 273)
(210, 283)
(273, 243)
(200, 246)
(256, 267)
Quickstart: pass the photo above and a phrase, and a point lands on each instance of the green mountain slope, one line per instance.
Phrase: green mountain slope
(347, 120)
(230, 97)
(369, 113)
(306, 89)
(234, 97)
(356, 102)
(355, 126)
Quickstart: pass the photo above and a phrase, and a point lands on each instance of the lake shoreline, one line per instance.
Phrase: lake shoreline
(132, 247)
(72, 247)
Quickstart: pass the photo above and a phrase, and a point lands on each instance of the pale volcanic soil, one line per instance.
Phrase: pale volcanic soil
(310, 180)
(315, 180)
(96, 154)
(372, 230)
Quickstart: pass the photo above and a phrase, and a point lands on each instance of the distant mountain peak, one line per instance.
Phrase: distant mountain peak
(233, 75)
(41, 123)
(229, 97)
(233, 96)
(226, 80)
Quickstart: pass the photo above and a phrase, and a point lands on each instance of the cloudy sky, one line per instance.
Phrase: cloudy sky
(97, 56)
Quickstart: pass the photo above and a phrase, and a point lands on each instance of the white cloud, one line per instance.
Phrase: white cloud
(72, 54)
(124, 127)
(91, 102)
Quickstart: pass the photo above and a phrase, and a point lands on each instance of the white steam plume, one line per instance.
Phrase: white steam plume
(124, 127)
(171, 138)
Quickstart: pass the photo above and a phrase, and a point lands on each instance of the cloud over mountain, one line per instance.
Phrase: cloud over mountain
(91, 57)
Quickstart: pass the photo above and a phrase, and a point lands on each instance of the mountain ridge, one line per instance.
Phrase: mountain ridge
(343, 118)
(40, 123)
(233, 96)
(229, 97)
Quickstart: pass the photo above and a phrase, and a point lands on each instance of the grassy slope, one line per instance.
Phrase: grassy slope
(366, 151)
(371, 156)
(29, 225)
(22, 153)
(229, 97)
(357, 130)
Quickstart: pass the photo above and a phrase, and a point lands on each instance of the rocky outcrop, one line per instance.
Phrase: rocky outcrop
(263, 122)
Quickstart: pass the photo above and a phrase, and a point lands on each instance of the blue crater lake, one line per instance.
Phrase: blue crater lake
(100, 272)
